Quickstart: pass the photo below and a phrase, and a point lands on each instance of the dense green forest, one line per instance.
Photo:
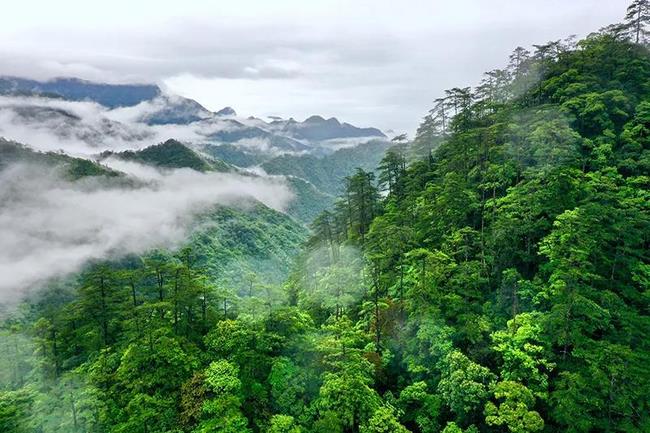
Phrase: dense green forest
(493, 276)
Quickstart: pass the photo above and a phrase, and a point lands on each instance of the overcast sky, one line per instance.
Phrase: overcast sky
(370, 62)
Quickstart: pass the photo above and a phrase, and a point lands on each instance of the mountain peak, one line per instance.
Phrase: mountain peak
(314, 119)
(170, 154)
(226, 111)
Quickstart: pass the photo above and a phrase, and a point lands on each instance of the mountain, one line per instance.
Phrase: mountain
(253, 138)
(309, 201)
(54, 124)
(229, 241)
(170, 154)
(74, 89)
(317, 128)
(74, 168)
(174, 110)
(226, 111)
(315, 154)
(134, 115)
(327, 172)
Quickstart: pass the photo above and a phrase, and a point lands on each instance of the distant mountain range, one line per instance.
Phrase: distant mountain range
(148, 105)
(316, 128)
(74, 89)
(141, 123)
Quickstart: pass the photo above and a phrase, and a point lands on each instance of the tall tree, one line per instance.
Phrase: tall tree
(637, 18)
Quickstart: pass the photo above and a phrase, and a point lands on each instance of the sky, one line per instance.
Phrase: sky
(369, 62)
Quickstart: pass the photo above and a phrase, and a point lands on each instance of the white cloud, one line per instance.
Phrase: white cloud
(80, 128)
(85, 128)
(50, 227)
(369, 62)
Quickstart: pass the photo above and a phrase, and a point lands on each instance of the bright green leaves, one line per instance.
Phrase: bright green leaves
(163, 366)
(348, 395)
(288, 384)
(452, 427)
(383, 421)
(445, 206)
(597, 112)
(542, 139)
(513, 409)
(524, 354)
(221, 378)
(634, 152)
(14, 411)
(283, 424)
(221, 413)
(419, 408)
(346, 391)
(464, 386)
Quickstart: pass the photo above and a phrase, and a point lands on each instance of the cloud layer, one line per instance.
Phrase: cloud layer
(369, 62)
(50, 227)
(87, 128)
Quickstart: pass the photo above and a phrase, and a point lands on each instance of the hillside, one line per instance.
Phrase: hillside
(490, 276)
(307, 203)
(74, 168)
(506, 288)
(327, 172)
(236, 244)
(170, 154)
(228, 241)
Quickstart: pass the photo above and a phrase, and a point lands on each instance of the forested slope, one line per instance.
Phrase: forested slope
(327, 172)
(169, 155)
(507, 276)
(74, 168)
(500, 284)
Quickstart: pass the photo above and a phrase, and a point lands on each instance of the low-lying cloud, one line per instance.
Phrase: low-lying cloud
(81, 128)
(85, 128)
(51, 227)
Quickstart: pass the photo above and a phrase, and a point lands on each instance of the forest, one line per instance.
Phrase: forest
(491, 275)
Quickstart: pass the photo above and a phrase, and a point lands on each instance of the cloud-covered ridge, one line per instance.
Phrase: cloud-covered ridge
(51, 227)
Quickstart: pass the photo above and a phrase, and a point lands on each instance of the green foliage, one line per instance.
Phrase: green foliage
(383, 421)
(327, 172)
(501, 283)
(72, 168)
(464, 385)
(522, 349)
(452, 427)
(513, 411)
(419, 407)
(171, 154)
(222, 413)
(283, 424)
(14, 411)
(288, 384)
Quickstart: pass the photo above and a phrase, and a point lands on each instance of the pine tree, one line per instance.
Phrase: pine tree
(637, 18)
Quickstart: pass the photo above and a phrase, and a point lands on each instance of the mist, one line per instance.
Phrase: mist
(51, 227)
(84, 129)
